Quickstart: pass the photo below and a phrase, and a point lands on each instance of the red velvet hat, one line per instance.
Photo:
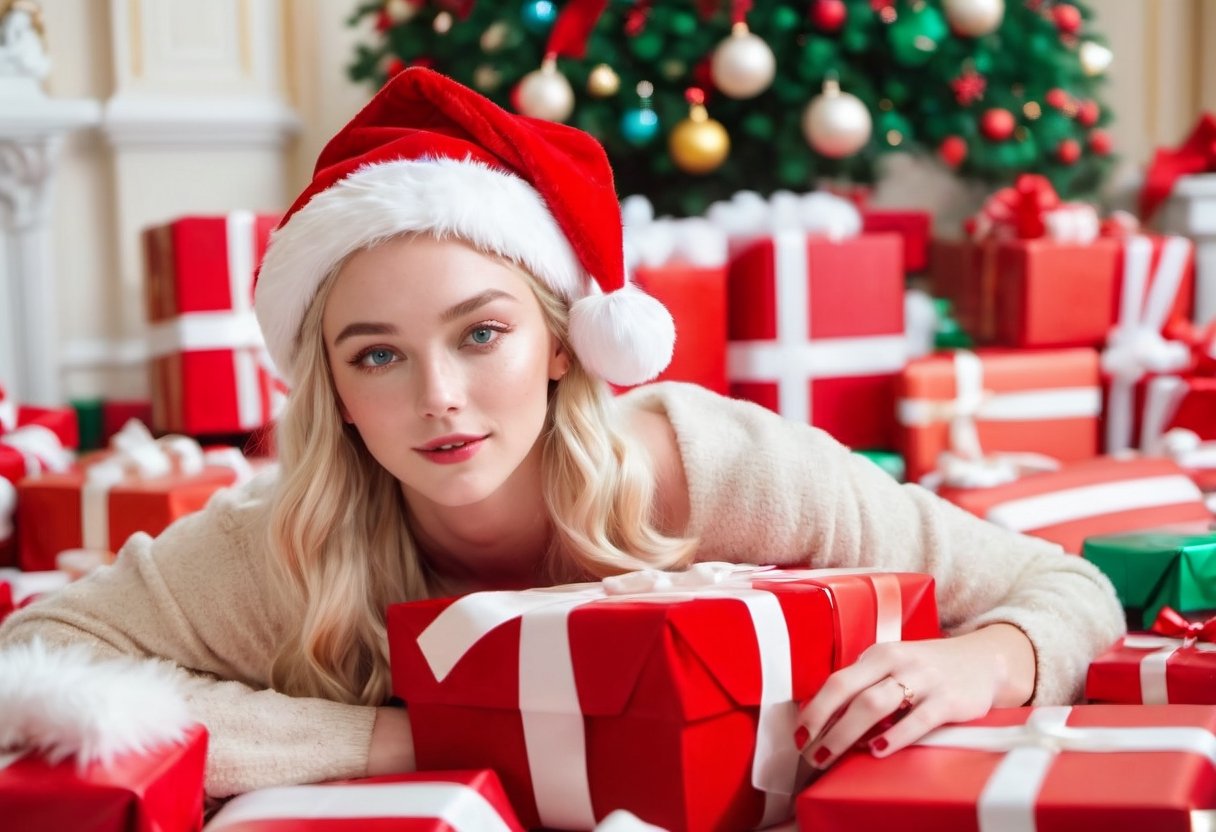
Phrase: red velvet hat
(427, 154)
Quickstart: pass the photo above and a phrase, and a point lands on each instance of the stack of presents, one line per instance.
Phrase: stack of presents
(1070, 394)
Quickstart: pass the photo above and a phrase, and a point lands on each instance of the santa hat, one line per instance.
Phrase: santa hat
(429, 155)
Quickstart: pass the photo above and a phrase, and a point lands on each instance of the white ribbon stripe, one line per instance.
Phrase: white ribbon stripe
(1066, 505)
(8, 414)
(1153, 687)
(794, 359)
(461, 807)
(1007, 801)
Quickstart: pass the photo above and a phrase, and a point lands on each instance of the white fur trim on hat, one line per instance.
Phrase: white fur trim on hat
(494, 210)
(66, 703)
(625, 337)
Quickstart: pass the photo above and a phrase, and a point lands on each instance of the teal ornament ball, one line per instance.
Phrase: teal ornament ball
(538, 15)
(640, 126)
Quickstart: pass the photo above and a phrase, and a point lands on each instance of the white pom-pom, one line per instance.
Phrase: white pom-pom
(636, 210)
(625, 337)
(834, 216)
(65, 703)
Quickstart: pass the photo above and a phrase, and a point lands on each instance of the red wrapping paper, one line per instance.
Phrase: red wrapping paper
(696, 298)
(1116, 675)
(839, 359)
(1103, 496)
(390, 803)
(923, 788)
(668, 691)
(61, 421)
(161, 791)
(915, 227)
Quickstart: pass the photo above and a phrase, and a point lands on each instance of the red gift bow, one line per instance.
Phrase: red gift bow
(1171, 624)
(1018, 211)
(1201, 340)
(1196, 155)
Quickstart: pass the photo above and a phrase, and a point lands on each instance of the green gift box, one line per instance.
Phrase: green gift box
(889, 461)
(1153, 568)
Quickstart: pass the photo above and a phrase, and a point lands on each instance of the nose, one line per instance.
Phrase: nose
(440, 387)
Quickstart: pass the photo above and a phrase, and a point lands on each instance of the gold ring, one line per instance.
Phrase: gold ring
(908, 695)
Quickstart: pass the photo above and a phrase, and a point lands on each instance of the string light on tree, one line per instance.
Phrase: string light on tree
(743, 65)
(545, 93)
(603, 82)
(1095, 58)
(836, 124)
(974, 18)
(442, 23)
(640, 124)
(399, 11)
(698, 144)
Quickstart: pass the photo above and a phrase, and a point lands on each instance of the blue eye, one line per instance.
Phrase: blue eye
(482, 335)
(376, 358)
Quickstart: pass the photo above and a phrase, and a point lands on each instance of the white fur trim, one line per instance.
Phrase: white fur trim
(625, 337)
(492, 209)
(64, 703)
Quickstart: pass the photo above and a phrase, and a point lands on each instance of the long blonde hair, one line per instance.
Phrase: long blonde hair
(341, 545)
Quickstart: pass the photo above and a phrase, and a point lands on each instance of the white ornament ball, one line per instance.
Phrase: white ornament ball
(1095, 58)
(974, 18)
(836, 124)
(400, 11)
(743, 66)
(545, 93)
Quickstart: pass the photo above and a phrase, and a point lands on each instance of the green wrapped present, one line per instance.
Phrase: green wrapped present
(888, 461)
(1173, 566)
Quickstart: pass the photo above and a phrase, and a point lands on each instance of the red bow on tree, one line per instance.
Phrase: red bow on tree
(1196, 155)
(1171, 624)
(1017, 211)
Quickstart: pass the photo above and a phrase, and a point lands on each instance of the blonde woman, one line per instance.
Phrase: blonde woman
(447, 300)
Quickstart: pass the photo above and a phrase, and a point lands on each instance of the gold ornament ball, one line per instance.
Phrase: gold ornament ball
(743, 65)
(494, 36)
(699, 145)
(603, 82)
(974, 18)
(836, 124)
(545, 93)
(487, 78)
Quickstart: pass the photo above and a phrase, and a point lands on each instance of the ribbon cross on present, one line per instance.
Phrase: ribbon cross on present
(1007, 803)
(554, 731)
(1173, 633)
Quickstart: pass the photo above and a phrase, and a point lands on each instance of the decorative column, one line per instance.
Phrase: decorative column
(32, 128)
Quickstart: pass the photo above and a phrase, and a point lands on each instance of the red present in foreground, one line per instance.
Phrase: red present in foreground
(1174, 663)
(915, 227)
(158, 791)
(673, 697)
(458, 801)
(817, 331)
(209, 375)
(1085, 499)
(1121, 768)
(999, 402)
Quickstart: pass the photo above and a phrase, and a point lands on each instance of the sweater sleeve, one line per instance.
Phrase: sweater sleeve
(196, 596)
(766, 490)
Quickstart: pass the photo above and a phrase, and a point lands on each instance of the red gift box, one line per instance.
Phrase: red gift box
(998, 402)
(677, 706)
(209, 371)
(1085, 499)
(817, 331)
(1120, 768)
(915, 227)
(29, 450)
(158, 791)
(696, 298)
(458, 801)
(1174, 663)
(61, 421)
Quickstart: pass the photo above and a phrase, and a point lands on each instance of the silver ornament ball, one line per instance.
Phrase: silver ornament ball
(974, 18)
(743, 65)
(545, 93)
(836, 124)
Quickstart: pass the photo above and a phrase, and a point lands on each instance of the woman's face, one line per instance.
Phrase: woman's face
(442, 360)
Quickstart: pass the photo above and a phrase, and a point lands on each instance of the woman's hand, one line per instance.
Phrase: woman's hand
(392, 748)
(929, 683)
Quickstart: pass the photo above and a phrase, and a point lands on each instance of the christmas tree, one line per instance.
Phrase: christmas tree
(697, 99)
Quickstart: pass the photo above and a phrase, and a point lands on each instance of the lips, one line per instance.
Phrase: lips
(449, 450)
(449, 443)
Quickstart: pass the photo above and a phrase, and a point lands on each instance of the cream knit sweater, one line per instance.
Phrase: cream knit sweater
(761, 490)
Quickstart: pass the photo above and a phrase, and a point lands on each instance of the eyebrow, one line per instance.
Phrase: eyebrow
(459, 310)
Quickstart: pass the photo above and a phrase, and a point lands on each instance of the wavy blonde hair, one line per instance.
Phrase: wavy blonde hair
(340, 562)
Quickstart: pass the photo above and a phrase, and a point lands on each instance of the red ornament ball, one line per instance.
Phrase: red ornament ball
(829, 15)
(1057, 98)
(394, 66)
(952, 150)
(1068, 151)
(997, 124)
(1087, 113)
(1100, 142)
(1067, 18)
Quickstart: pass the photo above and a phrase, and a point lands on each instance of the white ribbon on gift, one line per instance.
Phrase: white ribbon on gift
(1007, 802)
(8, 507)
(1186, 448)
(134, 453)
(8, 414)
(964, 463)
(41, 451)
(553, 722)
(1136, 346)
(793, 359)
(236, 329)
(461, 807)
(1153, 688)
(1073, 222)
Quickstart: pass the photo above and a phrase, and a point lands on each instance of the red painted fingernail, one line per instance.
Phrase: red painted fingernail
(801, 736)
(879, 744)
(822, 755)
